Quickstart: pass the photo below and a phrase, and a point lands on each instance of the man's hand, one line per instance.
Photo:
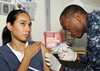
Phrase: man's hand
(67, 55)
(60, 48)
(52, 62)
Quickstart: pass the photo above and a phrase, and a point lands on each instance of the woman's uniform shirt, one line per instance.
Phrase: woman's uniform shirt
(92, 59)
(9, 61)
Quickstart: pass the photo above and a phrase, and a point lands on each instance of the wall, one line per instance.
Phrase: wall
(3, 20)
(2, 23)
(56, 9)
(38, 26)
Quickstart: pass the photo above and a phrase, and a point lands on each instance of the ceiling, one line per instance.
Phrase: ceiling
(89, 2)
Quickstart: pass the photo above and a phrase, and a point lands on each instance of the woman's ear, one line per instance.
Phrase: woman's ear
(9, 26)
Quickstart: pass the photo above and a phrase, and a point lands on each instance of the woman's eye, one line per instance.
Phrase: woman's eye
(23, 23)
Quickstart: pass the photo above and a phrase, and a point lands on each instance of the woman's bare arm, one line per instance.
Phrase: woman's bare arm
(45, 50)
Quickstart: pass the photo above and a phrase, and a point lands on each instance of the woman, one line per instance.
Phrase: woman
(17, 53)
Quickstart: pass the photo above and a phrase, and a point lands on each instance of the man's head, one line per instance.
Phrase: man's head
(73, 20)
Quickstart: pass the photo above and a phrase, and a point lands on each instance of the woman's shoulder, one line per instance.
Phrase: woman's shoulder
(31, 42)
(43, 47)
(3, 47)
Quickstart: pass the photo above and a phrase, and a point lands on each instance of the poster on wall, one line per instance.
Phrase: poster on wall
(27, 5)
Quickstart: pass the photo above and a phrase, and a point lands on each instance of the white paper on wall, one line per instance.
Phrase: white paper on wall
(27, 5)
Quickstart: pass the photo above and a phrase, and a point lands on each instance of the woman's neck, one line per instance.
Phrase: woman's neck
(18, 46)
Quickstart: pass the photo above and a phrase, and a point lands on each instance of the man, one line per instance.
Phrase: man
(76, 21)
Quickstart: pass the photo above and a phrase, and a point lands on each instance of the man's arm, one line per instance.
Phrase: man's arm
(55, 65)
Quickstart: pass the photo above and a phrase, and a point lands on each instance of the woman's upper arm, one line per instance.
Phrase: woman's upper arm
(45, 50)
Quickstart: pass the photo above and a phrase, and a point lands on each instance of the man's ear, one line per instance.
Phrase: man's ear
(9, 26)
(77, 16)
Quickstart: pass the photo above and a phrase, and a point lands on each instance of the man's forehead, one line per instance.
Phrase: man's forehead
(64, 20)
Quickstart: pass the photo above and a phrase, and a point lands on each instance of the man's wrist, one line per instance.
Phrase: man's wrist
(62, 68)
(75, 56)
(78, 57)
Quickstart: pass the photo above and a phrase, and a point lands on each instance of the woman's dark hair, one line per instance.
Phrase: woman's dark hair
(6, 35)
(71, 10)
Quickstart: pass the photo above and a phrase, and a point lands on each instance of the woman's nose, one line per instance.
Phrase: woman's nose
(28, 28)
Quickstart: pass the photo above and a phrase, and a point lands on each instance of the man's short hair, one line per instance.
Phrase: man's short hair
(71, 10)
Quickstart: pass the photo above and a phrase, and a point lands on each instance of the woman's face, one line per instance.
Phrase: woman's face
(21, 28)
